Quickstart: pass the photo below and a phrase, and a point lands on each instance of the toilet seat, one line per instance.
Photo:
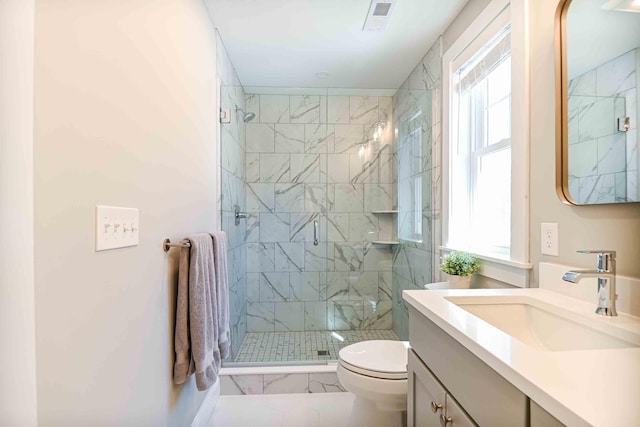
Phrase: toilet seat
(383, 359)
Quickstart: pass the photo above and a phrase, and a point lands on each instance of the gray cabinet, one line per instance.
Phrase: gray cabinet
(487, 398)
(429, 405)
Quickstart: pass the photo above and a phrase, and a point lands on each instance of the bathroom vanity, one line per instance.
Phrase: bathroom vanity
(519, 357)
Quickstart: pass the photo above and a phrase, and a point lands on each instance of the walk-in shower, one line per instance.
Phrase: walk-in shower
(318, 263)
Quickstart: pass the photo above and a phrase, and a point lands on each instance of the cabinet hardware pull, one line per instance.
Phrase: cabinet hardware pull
(445, 420)
(435, 407)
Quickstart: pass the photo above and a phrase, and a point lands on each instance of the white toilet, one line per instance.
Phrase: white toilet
(376, 373)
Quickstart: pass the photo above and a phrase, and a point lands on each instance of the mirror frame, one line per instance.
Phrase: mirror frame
(562, 114)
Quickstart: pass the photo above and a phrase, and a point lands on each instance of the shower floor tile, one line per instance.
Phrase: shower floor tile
(264, 347)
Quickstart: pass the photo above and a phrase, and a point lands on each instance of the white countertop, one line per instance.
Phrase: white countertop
(580, 388)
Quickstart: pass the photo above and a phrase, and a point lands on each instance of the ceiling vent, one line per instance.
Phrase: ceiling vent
(378, 15)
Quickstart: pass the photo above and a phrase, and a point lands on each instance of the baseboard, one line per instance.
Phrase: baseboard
(207, 407)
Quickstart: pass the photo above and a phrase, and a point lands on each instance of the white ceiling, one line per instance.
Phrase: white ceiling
(284, 43)
(596, 36)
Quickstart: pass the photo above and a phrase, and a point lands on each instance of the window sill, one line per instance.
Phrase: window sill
(514, 273)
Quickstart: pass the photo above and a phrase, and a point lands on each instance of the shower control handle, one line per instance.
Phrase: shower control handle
(315, 233)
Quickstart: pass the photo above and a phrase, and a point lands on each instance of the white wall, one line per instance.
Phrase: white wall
(581, 227)
(17, 328)
(125, 107)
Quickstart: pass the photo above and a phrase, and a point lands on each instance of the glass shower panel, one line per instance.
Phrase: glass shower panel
(317, 165)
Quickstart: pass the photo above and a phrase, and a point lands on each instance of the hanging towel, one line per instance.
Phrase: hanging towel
(197, 314)
(222, 288)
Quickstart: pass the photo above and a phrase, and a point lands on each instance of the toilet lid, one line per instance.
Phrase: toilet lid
(380, 359)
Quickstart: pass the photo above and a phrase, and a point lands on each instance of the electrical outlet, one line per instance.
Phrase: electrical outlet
(549, 238)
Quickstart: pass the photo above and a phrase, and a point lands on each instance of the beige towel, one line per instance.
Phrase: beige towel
(196, 334)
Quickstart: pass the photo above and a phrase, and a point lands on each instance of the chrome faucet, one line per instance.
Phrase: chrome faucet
(606, 274)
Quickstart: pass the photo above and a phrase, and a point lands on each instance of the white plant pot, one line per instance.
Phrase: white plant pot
(459, 282)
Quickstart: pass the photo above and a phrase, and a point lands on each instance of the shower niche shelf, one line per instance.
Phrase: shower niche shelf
(388, 211)
(385, 242)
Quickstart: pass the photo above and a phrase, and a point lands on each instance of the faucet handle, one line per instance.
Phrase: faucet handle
(606, 258)
(609, 252)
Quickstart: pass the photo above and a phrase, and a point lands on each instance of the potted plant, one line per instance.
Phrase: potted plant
(459, 266)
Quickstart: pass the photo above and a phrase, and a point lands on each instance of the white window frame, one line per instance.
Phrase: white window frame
(513, 270)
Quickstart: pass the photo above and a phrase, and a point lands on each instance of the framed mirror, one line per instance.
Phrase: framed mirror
(597, 92)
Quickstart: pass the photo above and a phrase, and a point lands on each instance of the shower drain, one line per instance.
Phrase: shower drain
(323, 352)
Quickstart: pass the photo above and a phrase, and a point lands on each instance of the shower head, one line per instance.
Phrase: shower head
(246, 117)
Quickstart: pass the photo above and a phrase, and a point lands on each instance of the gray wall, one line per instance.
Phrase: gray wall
(303, 166)
(125, 107)
(17, 321)
(581, 227)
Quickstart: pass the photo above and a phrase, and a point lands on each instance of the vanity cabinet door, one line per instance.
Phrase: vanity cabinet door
(457, 416)
(425, 395)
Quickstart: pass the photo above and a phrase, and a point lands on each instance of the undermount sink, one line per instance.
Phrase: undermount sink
(544, 326)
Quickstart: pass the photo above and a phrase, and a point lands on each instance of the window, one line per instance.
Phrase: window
(410, 179)
(480, 158)
(485, 169)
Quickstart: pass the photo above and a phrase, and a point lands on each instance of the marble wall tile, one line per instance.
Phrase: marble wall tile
(260, 317)
(338, 109)
(349, 138)
(289, 197)
(274, 167)
(583, 85)
(315, 257)
(363, 227)
(232, 155)
(304, 286)
(260, 257)
(304, 108)
(252, 228)
(252, 104)
(289, 138)
(363, 109)
(253, 287)
(274, 287)
(345, 315)
(252, 167)
(324, 382)
(337, 285)
(385, 110)
(289, 316)
(260, 138)
(274, 227)
(305, 168)
(260, 198)
(289, 256)
(348, 198)
(616, 75)
(241, 384)
(583, 159)
(319, 138)
(348, 256)
(632, 150)
(286, 383)
(377, 315)
(274, 109)
(597, 189)
(363, 286)
(338, 168)
(315, 197)
(301, 227)
(337, 227)
(315, 316)
(596, 120)
(376, 258)
(385, 283)
(612, 154)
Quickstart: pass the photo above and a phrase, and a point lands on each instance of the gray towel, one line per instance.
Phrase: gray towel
(199, 306)
(222, 287)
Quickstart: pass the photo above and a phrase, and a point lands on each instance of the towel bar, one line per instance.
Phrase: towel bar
(166, 244)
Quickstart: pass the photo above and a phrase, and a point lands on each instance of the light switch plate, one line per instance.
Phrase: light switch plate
(549, 238)
(116, 227)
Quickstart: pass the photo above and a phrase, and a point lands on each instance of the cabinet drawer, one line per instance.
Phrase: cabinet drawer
(487, 397)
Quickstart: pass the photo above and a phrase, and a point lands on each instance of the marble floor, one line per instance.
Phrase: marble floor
(265, 347)
(283, 410)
